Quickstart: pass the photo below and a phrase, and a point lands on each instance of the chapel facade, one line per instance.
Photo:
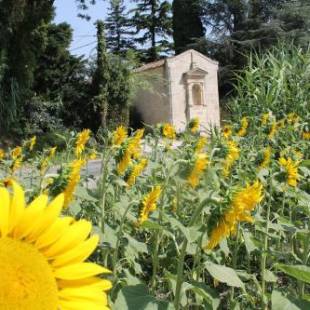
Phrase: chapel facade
(182, 87)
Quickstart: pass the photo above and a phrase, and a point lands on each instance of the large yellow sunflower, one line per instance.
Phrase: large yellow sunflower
(42, 256)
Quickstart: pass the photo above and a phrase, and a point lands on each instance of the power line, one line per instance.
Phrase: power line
(85, 45)
(85, 36)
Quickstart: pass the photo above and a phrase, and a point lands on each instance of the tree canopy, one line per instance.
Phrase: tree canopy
(41, 80)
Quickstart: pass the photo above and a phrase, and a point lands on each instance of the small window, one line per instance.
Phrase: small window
(197, 94)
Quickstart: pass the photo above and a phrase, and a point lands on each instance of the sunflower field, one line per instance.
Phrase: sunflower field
(215, 219)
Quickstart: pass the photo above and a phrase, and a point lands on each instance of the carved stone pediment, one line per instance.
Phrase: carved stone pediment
(195, 73)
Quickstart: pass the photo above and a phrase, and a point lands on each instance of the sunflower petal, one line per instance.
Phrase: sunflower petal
(4, 211)
(79, 271)
(78, 254)
(49, 216)
(17, 207)
(81, 305)
(30, 215)
(102, 284)
(52, 234)
(75, 234)
(84, 293)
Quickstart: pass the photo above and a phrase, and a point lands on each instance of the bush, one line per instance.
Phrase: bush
(42, 117)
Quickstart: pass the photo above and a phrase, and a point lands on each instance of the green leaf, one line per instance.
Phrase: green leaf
(110, 236)
(178, 225)
(303, 199)
(279, 302)
(75, 207)
(134, 247)
(224, 274)
(137, 297)
(224, 247)
(270, 276)
(130, 279)
(213, 178)
(248, 241)
(299, 272)
(207, 293)
(83, 194)
(152, 225)
(306, 163)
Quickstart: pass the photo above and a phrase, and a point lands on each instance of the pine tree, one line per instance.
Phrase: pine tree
(152, 20)
(187, 23)
(119, 34)
(294, 19)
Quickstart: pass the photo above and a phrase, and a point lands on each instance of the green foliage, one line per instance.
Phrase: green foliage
(22, 37)
(8, 101)
(45, 117)
(152, 21)
(272, 81)
(100, 82)
(164, 263)
(239, 27)
(119, 92)
(187, 23)
(119, 34)
(137, 297)
(56, 68)
(299, 272)
(22, 41)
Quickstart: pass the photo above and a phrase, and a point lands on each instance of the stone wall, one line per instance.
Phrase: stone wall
(153, 103)
(210, 113)
(167, 100)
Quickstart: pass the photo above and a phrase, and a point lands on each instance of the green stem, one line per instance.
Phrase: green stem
(180, 276)
(105, 162)
(158, 236)
(118, 240)
(180, 269)
(280, 244)
(304, 261)
(197, 260)
(264, 254)
(234, 263)
(155, 261)
(155, 148)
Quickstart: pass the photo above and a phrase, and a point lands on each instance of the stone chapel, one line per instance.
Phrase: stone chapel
(182, 87)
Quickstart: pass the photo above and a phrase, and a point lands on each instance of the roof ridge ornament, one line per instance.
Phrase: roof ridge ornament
(193, 63)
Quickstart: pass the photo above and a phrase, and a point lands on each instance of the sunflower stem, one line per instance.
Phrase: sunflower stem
(118, 240)
(234, 262)
(264, 255)
(180, 276)
(155, 261)
(180, 270)
(103, 185)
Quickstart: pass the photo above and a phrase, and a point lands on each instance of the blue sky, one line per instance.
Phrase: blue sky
(84, 31)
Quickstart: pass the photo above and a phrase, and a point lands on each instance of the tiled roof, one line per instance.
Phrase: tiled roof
(159, 63)
(151, 65)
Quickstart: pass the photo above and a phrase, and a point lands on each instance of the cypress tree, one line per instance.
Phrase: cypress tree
(151, 19)
(101, 78)
(119, 33)
(119, 92)
(187, 23)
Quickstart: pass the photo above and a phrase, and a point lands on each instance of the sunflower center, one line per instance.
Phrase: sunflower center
(26, 278)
